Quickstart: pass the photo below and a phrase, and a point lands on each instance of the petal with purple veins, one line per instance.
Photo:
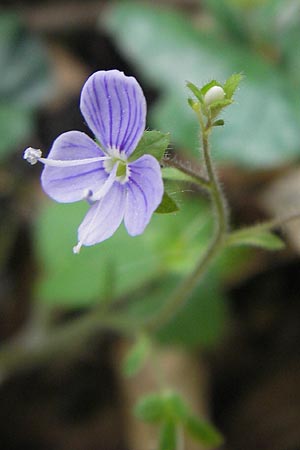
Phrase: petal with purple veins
(70, 184)
(114, 108)
(103, 218)
(144, 193)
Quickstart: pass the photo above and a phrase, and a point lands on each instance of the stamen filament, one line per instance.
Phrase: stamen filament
(97, 197)
(71, 162)
(106, 186)
(33, 155)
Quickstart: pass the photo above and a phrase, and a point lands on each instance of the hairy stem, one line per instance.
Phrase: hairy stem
(184, 290)
(195, 176)
(217, 196)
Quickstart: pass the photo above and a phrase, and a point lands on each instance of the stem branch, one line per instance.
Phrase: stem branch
(195, 176)
(183, 291)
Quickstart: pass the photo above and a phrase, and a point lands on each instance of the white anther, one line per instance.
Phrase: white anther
(77, 248)
(214, 94)
(32, 155)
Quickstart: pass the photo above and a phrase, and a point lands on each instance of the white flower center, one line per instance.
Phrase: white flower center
(119, 158)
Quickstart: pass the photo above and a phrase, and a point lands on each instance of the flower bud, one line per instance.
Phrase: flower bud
(214, 94)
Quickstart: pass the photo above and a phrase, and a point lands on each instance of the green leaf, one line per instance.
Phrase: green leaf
(203, 431)
(176, 408)
(137, 356)
(112, 268)
(203, 319)
(231, 84)
(256, 237)
(168, 438)
(195, 90)
(209, 85)
(167, 205)
(194, 105)
(218, 123)
(146, 34)
(220, 104)
(173, 174)
(152, 143)
(217, 106)
(150, 408)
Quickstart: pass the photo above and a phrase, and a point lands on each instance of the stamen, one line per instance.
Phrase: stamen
(97, 197)
(33, 155)
(77, 248)
(106, 186)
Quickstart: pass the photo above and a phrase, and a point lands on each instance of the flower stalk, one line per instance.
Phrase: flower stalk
(184, 290)
(195, 175)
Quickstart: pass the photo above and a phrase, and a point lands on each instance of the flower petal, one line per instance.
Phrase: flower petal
(69, 184)
(114, 108)
(144, 193)
(104, 217)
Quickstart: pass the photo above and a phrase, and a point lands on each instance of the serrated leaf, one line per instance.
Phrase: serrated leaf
(255, 237)
(167, 205)
(217, 106)
(220, 104)
(152, 143)
(150, 408)
(231, 84)
(195, 90)
(202, 431)
(136, 357)
(168, 438)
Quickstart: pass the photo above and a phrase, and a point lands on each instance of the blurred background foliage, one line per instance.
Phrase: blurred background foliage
(256, 38)
(47, 50)
(25, 82)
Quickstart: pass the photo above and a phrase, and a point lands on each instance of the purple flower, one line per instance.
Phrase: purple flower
(114, 107)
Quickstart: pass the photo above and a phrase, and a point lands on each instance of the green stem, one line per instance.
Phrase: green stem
(217, 196)
(183, 291)
(194, 175)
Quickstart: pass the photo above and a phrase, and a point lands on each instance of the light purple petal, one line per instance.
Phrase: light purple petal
(144, 193)
(114, 107)
(68, 184)
(104, 217)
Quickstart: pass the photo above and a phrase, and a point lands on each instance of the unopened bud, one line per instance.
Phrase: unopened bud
(214, 94)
